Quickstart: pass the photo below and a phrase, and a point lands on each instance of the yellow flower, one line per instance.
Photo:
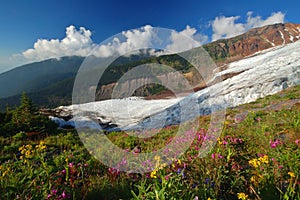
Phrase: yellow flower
(41, 146)
(254, 162)
(179, 162)
(242, 196)
(209, 198)
(292, 174)
(153, 174)
(219, 141)
(264, 159)
(157, 158)
(26, 151)
(163, 165)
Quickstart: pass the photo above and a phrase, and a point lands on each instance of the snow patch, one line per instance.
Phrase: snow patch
(269, 42)
(282, 36)
(267, 73)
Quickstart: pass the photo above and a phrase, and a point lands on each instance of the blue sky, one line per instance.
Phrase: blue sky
(24, 22)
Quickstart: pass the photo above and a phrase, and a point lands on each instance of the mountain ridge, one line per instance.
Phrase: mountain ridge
(49, 78)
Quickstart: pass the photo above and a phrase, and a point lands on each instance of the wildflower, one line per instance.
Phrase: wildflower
(264, 159)
(64, 195)
(214, 156)
(153, 174)
(167, 177)
(157, 158)
(54, 192)
(219, 141)
(41, 146)
(297, 141)
(179, 162)
(242, 196)
(292, 174)
(274, 144)
(26, 150)
(254, 162)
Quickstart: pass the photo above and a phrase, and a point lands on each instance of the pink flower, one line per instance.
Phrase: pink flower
(70, 165)
(274, 144)
(213, 156)
(297, 141)
(225, 142)
(64, 195)
(54, 192)
(167, 177)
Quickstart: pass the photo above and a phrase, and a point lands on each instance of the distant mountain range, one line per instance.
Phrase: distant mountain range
(49, 83)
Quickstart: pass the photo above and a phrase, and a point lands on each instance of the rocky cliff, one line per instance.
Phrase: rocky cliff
(258, 39)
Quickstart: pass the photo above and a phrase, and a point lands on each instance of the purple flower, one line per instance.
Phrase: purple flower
(63, 171)
(206, 180)
(54, 192)
(179, 171)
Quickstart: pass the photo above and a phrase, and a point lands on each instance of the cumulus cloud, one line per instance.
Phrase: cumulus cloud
(185, 40)
(76, 42)
(79, 43)
(133, 40)
(226, 27)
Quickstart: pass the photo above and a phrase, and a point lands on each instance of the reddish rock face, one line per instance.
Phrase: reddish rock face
(258, 39)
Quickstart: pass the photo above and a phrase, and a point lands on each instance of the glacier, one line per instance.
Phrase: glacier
(261, 74)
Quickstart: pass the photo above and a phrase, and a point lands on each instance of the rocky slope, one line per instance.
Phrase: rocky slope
(265, 73)
(255, 40)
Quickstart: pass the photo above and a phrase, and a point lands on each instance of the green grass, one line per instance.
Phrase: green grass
(255, 158)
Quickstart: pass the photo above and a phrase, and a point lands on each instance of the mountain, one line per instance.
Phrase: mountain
(263, 74)
(36, 76)
(255, 40)
(49, 83)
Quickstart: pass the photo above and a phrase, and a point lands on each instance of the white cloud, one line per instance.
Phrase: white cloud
(76, 42)
(185, 40)
(133, 40)
(79, 43)
(226, 27)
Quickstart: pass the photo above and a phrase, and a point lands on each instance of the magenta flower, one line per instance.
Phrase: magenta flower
(71, 165)
(274, 144)
(64, 195)
(54, 192)
(215, 155)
